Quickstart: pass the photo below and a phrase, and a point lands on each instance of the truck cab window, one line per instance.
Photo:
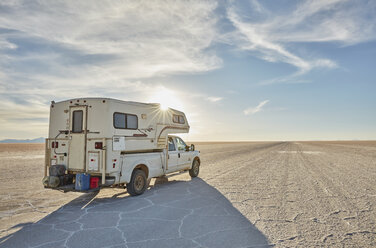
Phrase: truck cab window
(77, 121)
(171, 145)
(180, 144)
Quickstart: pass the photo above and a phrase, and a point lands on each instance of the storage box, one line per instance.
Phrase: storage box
(94, 182)
(82, 182)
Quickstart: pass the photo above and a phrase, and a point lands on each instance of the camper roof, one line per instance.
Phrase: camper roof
(114, 100)
(109, 99)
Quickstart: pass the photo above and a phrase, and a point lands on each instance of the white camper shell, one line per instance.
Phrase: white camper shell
(112, 139)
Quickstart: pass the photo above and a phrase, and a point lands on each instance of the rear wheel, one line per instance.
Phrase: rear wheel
(193, 172)
(138, 183)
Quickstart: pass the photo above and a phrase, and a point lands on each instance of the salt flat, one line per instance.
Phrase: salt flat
(282, 194)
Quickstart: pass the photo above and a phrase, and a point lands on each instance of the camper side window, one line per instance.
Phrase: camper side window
(132, 121)
(119, 120)
(77, 121)
(125, 121)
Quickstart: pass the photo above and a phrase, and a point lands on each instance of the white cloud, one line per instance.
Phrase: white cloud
(342, 21)
(54, 50)
(274, 37)
(254, 110)
(147, 38)
(4, 44)
(214, 98)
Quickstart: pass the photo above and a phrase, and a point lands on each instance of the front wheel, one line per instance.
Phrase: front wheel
(138, 183)
(193, 172)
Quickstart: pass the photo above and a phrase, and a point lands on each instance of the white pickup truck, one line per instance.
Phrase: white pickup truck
(180, 158)
(115, 143)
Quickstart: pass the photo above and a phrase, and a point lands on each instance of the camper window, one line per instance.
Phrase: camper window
(181, 119)
(125, 121)
(171, 145)
(77, 121)
(178, 119)
(119, 120)
(132, 121)
(175, 118)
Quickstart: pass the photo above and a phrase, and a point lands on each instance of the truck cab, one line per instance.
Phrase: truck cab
(180, 156)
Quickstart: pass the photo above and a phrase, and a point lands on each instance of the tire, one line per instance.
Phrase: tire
(138, 183)
(193, 172)
(53, 181)
(57, 170)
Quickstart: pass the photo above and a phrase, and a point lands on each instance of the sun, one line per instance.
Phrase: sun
(166, 98)
(163, 106)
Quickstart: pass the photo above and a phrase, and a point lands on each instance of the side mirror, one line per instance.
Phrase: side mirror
(192, 147)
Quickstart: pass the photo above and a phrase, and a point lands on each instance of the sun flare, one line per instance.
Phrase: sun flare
(167, 99)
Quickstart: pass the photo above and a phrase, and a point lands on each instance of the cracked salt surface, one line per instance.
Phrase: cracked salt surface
(174, 214)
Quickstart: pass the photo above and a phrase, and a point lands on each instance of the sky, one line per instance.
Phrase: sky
(240, 70)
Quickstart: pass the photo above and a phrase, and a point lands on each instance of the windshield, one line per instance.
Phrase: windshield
(180, 144)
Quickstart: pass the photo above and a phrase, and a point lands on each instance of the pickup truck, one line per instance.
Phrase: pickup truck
(180, 158)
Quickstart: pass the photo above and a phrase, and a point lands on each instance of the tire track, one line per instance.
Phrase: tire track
(257, 154)
(337, 197)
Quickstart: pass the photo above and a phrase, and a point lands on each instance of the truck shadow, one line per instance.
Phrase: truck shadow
(172, 214)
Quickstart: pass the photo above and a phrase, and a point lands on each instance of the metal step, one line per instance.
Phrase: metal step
(177, 173)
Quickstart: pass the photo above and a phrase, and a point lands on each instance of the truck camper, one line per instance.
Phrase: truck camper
(97, 142)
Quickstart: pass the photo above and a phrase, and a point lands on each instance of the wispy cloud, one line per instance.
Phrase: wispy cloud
(342, 21)
(214, 98)
(102, 43)
(275, 38)
(4, 44)
(145, 38)
(254, 110)
(64, 49)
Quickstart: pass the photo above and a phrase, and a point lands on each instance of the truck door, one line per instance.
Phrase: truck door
(184, 157)
(172, 155)
(77, 143)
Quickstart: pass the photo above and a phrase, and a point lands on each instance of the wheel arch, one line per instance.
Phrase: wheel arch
(198, 159)
(143, 167)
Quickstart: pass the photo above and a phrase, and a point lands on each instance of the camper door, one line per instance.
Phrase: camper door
(77, 146)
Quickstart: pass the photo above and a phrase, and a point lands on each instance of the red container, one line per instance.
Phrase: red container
(94, 182)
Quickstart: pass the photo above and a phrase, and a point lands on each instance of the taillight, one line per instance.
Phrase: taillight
(55, 144)
(98, 145)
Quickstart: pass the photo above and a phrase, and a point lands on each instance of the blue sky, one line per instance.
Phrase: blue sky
(241, 70)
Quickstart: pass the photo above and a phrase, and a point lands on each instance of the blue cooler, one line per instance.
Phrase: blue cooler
(82, 182)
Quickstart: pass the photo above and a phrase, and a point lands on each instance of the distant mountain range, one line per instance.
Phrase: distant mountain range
(37, 140)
